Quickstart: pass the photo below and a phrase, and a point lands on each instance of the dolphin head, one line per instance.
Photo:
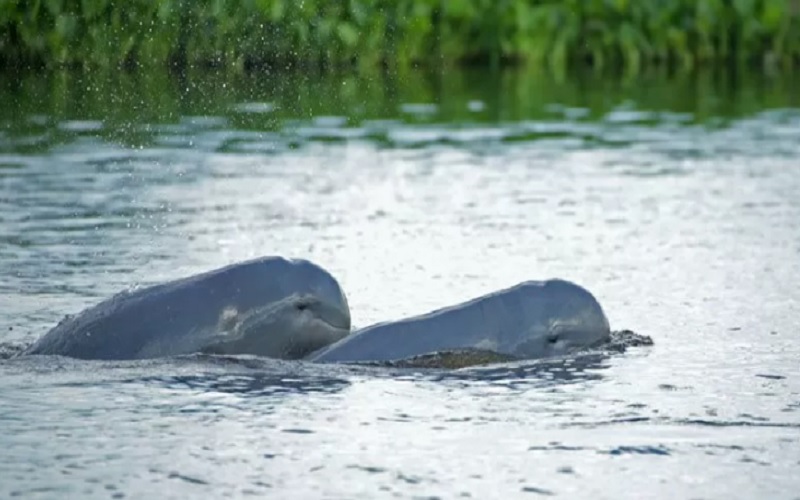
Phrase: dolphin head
(287, 329)
(576, 334)
(310, 312)
(561, 317)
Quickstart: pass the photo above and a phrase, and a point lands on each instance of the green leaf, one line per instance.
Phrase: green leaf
(347, 34)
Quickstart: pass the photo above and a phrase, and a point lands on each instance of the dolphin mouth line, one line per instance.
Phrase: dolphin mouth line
(335, 324)
(598, 344)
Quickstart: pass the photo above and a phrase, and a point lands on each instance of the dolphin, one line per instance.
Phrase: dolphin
(270, 306)
(534, 319)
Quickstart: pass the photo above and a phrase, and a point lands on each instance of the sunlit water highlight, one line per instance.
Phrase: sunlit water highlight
(686, 229)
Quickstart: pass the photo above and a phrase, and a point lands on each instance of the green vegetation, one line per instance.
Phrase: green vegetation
(399, 33)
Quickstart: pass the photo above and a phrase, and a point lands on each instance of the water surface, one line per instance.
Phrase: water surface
(673, 200)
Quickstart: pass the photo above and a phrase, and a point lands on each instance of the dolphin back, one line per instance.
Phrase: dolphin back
(515, 321)
(178, 313)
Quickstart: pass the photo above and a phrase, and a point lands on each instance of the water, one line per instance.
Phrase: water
(674, 201)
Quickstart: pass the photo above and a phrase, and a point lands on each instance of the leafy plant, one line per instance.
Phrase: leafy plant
(402, 33)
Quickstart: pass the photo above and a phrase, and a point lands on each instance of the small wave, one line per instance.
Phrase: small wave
(9, 350)
(760, 422)
(252, 384)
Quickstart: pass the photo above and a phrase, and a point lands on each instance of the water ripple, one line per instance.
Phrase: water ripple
(682, 220)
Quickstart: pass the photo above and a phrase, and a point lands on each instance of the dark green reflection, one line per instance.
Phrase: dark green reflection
(122, 105)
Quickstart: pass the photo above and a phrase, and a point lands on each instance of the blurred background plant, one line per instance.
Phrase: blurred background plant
(628, 34)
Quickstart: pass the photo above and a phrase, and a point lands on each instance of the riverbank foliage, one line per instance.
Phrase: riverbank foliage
(335, 33)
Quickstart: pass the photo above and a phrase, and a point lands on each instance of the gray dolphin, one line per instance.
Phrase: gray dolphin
(270, 306)
(534, 319)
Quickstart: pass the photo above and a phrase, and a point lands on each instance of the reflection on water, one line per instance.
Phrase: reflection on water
(673, 200)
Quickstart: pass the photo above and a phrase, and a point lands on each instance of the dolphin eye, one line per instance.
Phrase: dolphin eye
(552, 338)
(302, 306)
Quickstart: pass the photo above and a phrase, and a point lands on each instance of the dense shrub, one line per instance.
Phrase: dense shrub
(331, 33)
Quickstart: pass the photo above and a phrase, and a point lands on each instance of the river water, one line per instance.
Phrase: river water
(676, 202)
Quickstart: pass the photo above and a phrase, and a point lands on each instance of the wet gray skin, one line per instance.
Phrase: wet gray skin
(535, 319)
(270, 306)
